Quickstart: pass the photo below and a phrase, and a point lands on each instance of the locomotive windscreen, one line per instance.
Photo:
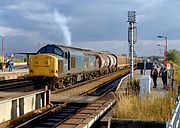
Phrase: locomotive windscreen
(51, 49)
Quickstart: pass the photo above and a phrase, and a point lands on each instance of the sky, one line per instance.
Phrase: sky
(101, 25)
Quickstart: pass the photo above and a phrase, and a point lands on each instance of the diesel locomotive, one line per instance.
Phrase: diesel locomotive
(58, 66)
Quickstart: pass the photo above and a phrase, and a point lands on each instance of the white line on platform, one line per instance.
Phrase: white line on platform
(121, 81)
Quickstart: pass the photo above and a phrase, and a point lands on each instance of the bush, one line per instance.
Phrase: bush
(176, 73)
(174, 56)
(135, 86)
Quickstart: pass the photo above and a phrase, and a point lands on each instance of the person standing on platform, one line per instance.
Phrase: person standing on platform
(154, 75)
(160, 72)
(164, 78)
(10, 64)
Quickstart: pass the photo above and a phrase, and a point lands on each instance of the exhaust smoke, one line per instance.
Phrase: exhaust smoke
(62, 22)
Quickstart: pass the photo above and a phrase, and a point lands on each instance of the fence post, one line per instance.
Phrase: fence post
(178, 90)
(168, 125)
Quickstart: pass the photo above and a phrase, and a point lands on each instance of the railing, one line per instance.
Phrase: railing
(175, 121)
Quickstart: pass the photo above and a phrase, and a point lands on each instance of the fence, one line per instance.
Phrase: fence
(175, 121)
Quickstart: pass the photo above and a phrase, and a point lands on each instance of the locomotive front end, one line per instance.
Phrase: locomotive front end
(43, 65)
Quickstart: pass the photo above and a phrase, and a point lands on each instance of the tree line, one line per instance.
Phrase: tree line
(174, 56)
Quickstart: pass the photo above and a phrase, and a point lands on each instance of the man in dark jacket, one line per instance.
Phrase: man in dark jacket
(164, 78)
(10, 64)
(154, 75)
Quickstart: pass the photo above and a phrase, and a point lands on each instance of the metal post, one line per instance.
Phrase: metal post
(47, 97)
(144, 67)
(131, 39)
(131, 52)
(166, 61)
(2, 52)
(172, 78)
(165, 54)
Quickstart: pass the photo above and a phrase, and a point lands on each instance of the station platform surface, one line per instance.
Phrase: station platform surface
(14, 74)
(9, 95)
(159, 90)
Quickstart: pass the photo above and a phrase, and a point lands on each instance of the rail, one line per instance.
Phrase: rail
(175, 121)
(15, 83)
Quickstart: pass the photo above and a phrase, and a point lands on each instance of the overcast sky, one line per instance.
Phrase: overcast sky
(94, 24)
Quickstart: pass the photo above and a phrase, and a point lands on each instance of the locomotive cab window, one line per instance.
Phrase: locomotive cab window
(65, 55)
(58, 51)
(42, 50)
(51, 49)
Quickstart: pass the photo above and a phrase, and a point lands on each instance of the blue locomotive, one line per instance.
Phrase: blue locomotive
(63, 65)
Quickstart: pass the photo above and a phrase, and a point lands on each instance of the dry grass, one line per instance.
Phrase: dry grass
(176, 73)
(149, 108)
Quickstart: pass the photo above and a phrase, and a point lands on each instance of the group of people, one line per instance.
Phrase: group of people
(162, 73)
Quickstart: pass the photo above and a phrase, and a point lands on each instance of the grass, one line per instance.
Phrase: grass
(149, 108)
(176, 72)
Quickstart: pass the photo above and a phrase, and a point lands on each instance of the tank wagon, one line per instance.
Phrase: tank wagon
(60, 66)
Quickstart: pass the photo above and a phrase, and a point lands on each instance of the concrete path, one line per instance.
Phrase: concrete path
(159, 90)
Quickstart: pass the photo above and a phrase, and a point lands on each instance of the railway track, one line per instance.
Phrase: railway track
(27, 85)
(16, 85)
(62, 112)
(91, 86)
(106, 88)
(52, 117)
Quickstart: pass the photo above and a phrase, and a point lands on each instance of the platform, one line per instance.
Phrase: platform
(160, 91)
(15, 104)
(16, 73)
(9, 95)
